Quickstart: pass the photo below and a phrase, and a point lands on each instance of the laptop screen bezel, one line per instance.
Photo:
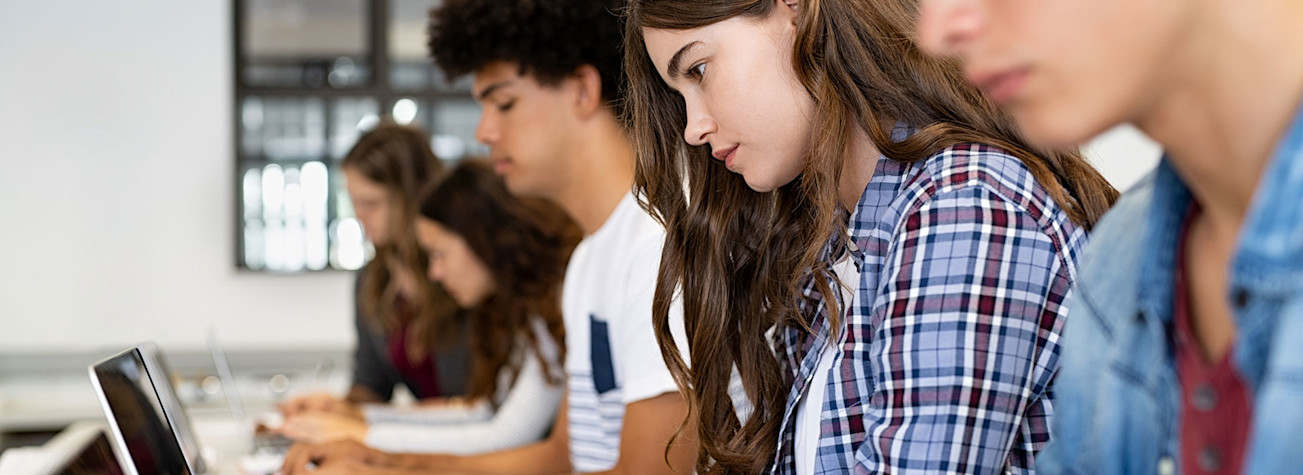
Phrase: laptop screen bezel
(173, 413)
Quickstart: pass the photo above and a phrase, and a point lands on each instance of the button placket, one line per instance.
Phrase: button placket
(1204, 398)
(1210, 459)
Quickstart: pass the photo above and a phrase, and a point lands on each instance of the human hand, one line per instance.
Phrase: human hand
(345, 456)
(321, 427)
(319, 403)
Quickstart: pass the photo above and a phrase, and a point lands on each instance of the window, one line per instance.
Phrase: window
(310, 77)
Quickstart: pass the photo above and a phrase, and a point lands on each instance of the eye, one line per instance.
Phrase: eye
(696, 71)
(506, 106)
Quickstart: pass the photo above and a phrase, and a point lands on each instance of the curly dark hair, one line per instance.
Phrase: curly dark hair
(525, 243)
(549, 39)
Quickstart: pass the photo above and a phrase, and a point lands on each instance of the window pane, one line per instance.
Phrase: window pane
(283, 128)
(410, 66)
(306, 43)
(454, 129)
(350, 117)
(407, 25)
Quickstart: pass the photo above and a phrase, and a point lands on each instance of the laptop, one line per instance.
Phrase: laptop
(148, 424)
(259, 441)
(149, 427)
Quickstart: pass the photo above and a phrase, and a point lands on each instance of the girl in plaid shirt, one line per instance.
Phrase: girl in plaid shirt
(840, 140)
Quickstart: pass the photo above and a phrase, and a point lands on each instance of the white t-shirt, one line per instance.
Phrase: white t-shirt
(612, 358)
(526, 402)
(809, 409)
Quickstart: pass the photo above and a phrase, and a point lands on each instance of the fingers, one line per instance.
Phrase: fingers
(317, 402)
(302, 428)
(347, 456)
(297, 459)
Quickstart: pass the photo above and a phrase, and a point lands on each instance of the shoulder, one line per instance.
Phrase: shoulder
(970, 166)
(960, 182)
(1123, 225)
(1109, 272)
(630, 239)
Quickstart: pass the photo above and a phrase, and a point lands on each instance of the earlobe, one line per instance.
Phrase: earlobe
(793, 5)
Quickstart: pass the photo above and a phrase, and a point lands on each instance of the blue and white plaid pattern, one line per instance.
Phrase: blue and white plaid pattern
(950, 345)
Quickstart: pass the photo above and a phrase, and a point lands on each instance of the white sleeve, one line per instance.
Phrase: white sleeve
(524, 417)
(478, 411)
(645, 373)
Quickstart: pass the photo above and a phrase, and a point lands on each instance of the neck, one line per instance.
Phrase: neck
(857, 170)
(600, 173)
(1233, 87)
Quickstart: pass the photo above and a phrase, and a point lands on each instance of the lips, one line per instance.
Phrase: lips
(1002, 86)
(501, 164)
(726, 155)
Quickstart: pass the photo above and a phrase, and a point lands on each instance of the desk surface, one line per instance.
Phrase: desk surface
(222, 440)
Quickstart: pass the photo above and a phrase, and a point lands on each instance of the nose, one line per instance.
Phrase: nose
(486, 131)
(700, 125)
(435, 272)
(945, 27)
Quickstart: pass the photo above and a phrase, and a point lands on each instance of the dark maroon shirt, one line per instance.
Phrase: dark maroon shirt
(1216, 409)
(420, 373)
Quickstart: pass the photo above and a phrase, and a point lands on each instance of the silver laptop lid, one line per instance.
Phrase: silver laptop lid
(149, 425)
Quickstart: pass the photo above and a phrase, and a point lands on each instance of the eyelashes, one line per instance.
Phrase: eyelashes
(696, 71)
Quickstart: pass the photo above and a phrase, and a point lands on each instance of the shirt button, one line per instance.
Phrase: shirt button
(1204, 398)
(1166, 466)
(1241, 298)
(1210, 459)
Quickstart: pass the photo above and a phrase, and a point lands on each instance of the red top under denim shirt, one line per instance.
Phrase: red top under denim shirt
(1215, 403)
(421, 373)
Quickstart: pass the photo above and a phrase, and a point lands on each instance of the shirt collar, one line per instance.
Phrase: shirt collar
(886, 184)
(1269, 255)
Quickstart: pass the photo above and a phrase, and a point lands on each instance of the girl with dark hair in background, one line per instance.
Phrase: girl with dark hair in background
(842, 143)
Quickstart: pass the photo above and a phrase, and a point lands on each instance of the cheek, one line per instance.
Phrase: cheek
(485, 278)
(1086, 82)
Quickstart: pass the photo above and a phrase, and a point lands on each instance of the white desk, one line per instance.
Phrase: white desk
(220, 437)
(52, 392)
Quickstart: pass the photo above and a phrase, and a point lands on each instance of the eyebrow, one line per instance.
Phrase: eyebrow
(484, 94)
(677, 59)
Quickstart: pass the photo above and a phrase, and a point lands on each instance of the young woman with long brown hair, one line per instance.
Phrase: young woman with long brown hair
(407, 327)
(841, 141)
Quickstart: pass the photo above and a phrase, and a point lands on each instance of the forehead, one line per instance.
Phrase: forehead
(501, 75)
(430, 230)
(358, 182)
(663, 44)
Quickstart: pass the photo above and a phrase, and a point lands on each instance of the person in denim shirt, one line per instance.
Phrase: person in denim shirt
(1181, 352)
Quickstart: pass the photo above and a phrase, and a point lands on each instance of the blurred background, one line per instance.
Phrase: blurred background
(169, 168)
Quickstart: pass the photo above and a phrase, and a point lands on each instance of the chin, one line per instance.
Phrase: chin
(1054, 127)
(520, 187)
(759, 184)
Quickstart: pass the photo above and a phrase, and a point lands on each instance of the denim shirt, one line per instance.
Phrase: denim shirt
(1118, 394)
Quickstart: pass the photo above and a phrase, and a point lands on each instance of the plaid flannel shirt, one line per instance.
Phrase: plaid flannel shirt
(949, 347)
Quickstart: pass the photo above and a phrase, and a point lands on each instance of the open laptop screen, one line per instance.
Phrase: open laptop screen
(95, 457)
(137, 415)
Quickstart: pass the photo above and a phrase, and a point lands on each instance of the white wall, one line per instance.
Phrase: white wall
(116, 186)
(1123, 155)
